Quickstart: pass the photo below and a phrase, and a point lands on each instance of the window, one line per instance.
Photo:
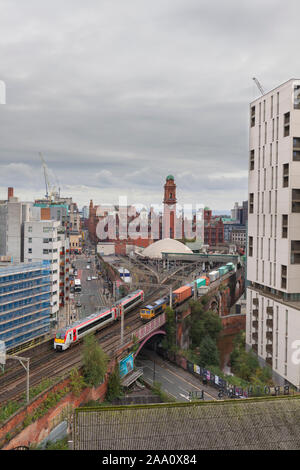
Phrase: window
(277, 110)
(265, 132)
(296, 200)
(295, 252)
(29, 250)
(285, 175)
(29, 240)
(30, 229)
(250, 246)
(297, 97)
(284, 226)
(286, 124)
(283, 276)
(251, 203)
(252, 116)
(296, 149)
(272, 98)
(252, 160)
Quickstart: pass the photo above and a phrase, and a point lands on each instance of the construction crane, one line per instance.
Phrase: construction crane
(50, 190)
(259, 86)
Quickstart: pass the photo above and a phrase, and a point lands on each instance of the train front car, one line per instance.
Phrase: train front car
(61, 341)
(150, 311)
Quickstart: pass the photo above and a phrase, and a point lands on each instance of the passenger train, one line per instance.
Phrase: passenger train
(184, 292)
(71, 334)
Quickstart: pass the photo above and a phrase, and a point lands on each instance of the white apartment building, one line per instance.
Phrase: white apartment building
(273, 258)
(41, 242)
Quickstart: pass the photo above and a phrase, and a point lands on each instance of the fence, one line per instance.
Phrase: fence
(225, 388)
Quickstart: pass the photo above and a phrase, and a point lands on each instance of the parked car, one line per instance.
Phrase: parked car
(89, 278)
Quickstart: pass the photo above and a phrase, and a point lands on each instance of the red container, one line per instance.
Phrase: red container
(183, 293)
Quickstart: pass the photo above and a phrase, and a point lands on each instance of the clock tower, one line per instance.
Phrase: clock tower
(169, 208)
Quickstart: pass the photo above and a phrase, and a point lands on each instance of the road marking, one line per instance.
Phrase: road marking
(214, 398)
(186, 397)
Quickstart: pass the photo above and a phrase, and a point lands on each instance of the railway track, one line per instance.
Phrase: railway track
(52, 364)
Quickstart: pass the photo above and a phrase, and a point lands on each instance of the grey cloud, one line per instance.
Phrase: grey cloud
(119, 94)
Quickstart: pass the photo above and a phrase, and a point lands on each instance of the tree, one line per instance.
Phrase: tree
(208, 351)
(94, 361)
(114, 387)
(170, 329)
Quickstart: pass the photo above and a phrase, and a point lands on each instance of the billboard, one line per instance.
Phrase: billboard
(126, 365)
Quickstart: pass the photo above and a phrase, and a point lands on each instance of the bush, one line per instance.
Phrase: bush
(94, 361)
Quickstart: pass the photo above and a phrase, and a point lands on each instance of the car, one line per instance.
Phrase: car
(89, 278)
(94, 278)
(88, 267)
(78, 303)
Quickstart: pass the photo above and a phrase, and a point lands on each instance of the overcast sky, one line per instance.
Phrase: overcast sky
(117, 94)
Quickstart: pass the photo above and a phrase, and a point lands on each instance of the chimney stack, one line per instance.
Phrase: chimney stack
(10, 193)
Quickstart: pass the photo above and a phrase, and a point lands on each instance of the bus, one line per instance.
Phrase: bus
(77, 287)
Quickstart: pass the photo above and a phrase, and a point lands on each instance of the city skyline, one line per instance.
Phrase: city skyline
(117, 96)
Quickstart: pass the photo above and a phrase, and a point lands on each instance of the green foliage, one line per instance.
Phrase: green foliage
(246, 365)
(170, 340)
(61, 444)
(94, 361)
(203, 324)
(208, 351)
(76, 382)
(114, 387)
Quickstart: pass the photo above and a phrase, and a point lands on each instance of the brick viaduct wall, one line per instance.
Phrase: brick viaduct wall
(37, 431)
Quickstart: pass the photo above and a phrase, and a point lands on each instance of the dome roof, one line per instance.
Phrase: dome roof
(170, 177)
(167, 245)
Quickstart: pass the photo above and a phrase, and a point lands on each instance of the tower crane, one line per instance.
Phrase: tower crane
(50, 190)
(259, 86)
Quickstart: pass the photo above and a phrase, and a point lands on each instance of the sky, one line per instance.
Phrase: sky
(118, 94)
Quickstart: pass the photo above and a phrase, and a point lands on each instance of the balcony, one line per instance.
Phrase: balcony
(269, 361)
(255, 348)
(270, 323)
(255, 336)
(255, 301)
(255, 324)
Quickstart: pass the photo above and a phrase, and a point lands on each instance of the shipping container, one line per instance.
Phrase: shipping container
(231, 266)
(182, 293)
(201, 282)
(214, 275)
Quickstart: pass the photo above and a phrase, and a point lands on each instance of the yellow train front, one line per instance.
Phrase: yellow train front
(150, 311)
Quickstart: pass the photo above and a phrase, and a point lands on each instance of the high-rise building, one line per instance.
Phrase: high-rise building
(24, 302)
(273, 258)
(41, 242)
(13, 214)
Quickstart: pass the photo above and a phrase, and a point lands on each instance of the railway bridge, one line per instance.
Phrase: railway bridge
(222, 294)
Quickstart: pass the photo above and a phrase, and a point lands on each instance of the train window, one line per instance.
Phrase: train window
(132, 301)
(94, 323)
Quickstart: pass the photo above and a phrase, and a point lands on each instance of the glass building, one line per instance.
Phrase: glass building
(25, 291)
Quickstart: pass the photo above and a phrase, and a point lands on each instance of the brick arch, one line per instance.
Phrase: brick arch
(159, 332)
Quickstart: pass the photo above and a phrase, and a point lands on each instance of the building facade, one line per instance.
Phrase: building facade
(41, 242)
(273, 252)
(25, 294)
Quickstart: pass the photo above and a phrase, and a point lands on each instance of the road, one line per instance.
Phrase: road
(174, 381)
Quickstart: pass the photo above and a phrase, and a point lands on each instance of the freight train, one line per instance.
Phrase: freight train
(184, 292)
(71, 334)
